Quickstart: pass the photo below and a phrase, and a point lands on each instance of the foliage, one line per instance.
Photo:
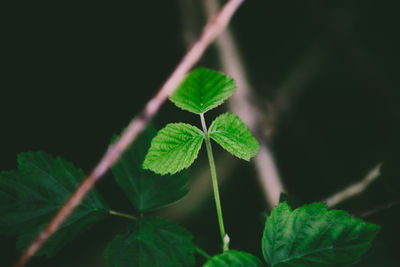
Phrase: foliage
(151, 242)
(233, 135)
(202, 90)
(31, 195)
(313, 236)
(174, 148)
(310, 235)
(233, 258)
(146, 190)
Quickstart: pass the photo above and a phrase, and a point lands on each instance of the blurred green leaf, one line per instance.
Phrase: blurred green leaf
(31, 196)
(233, 135)
(145, 189)
(151, 242)
(233, 258)
(202, 90)
(174, 148)
(313, 236)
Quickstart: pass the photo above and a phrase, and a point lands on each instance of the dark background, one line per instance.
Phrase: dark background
(73, 74)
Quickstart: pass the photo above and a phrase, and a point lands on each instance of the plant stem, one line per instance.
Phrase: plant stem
(120, 214)
(202, 253)
(224, 236)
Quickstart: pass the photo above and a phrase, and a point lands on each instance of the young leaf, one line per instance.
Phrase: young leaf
(233, 258)
(174, 148)
(202, 90)
(145, 189)
(151, 242)
(313, 236)
(30, 197)
(233, 135)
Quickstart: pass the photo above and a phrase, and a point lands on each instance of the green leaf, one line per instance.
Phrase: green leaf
(174, 148)
(151, 242)
(30, 197)
(233, 135)
(145, 189)
(313, 236)
(202, 90)
(233, 258)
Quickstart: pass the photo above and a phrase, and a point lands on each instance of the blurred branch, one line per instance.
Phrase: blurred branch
(304, 71)
(354, 189)
(190, 21)
(242, 104)
(214, 27)
(380, 208)
(261, 122)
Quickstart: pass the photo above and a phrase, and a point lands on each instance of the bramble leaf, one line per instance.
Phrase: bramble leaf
(202, 90)
(233, 135)
(233, 258)
(145, 189)
(313, 236)
(31, 196)
(151, 242)
(174, 148)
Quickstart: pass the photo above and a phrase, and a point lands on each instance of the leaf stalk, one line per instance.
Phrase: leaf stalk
(120, 214)
(203, 253)
(224, 236)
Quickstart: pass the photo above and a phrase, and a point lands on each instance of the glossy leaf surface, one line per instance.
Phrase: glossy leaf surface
(313, 236)
(202, 90)
(174, 148)
(234, 136)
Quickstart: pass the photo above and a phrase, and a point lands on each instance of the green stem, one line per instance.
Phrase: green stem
(224, 236)
(203, 253)
(120, 214)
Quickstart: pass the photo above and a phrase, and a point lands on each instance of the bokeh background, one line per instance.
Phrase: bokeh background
(324, 79)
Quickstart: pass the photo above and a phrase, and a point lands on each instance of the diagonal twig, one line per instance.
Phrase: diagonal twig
(213, 28)
(380, 208)
(354, 189)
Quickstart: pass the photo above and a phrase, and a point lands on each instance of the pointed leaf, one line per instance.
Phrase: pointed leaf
(174, 148)
(233, 135)
(313, 236)
(151, 242)
(145, 189)
(30, 197)
(202, 90)
(233, 258)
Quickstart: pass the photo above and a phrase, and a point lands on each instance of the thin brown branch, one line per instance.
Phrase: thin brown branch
(354, 189)
(214, 27)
